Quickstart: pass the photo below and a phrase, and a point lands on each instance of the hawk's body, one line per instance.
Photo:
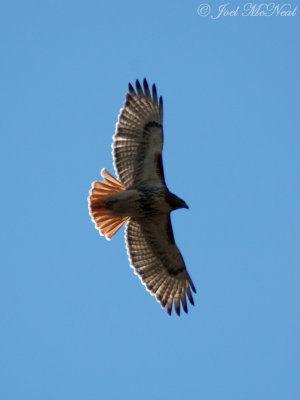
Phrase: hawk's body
(141, 199)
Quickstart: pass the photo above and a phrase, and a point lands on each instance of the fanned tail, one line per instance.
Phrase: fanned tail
(104, 221)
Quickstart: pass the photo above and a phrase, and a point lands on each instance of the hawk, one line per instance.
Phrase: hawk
(139, 198)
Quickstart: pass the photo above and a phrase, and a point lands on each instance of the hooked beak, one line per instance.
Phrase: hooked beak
(184, 205)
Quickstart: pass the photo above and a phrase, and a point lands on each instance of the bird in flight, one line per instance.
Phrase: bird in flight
(139, 198)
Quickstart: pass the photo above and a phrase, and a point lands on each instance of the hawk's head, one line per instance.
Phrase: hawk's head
(175, 202)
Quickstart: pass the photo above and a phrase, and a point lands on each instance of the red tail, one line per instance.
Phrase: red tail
(106, 223)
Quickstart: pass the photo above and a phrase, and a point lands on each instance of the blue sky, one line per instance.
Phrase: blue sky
(75, 321)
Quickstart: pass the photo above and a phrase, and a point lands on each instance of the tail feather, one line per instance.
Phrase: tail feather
(111, 226)
(104, 221)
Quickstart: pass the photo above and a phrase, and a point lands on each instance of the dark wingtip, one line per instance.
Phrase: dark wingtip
(130, 87)
(154, 93)
(184, 306)
(146, 87)
(128, 99)
(138, 86)
(163, 302)
(189, 294)
(191, 300)
(193, 287)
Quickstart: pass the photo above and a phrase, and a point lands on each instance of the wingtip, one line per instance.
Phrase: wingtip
(130, 88)
(154, 93)
(160, 105)
(192, 286)
(138, 87)
(146, 88)
(144, 91)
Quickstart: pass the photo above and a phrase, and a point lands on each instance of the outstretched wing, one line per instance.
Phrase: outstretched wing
(157, 261)
(138, 141)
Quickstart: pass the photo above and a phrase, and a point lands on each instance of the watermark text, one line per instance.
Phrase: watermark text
(247, 10)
